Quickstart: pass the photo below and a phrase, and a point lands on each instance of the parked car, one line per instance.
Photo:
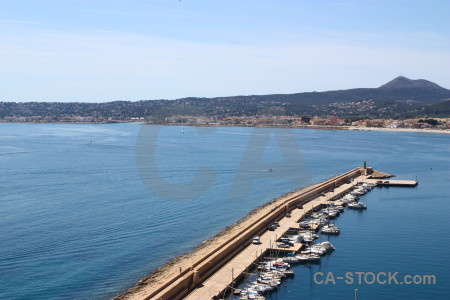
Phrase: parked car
(256, 240)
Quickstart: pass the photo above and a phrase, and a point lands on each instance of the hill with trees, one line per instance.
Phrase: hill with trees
(399, 98)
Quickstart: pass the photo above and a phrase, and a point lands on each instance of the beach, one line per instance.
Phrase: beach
(439, 131)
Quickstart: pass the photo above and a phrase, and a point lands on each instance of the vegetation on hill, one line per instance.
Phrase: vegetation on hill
(399, 98)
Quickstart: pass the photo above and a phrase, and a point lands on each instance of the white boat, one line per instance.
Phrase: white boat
(308, 257)
(357, 193)
(357, 205)
(368, 185)
(316, 249)
(307, 236)
(290, 259)
(349, 198)
(261, 288)
(249, 292)
(337, 207)
(304, 224)
(273, 276)
(330, 229)
(332, 213)
(328, 246)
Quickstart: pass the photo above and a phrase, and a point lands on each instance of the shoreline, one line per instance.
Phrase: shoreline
(436, 131)
(317, 127)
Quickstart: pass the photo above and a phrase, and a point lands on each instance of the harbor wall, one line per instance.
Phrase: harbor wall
(189, 279)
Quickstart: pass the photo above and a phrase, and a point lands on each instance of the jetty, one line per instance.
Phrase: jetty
(405, 183)
(210, 271)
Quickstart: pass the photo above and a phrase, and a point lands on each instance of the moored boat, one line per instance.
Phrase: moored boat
(330, 229)
(357, 205)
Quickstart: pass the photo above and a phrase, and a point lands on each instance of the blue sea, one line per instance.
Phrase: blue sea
(88, 210)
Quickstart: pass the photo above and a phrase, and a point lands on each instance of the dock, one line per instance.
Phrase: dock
(212, 270)
(215, 285)
(405, 183)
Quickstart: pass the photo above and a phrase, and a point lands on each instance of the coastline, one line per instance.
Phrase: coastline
(438, 131)
(320, 127)
(317, 127)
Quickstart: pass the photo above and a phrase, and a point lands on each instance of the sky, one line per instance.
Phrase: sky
(108, 50)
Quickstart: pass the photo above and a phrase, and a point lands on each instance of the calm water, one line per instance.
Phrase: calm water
(84, 214)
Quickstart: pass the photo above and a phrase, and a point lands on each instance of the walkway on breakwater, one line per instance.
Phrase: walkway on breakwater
(216, 285)
(186, 275)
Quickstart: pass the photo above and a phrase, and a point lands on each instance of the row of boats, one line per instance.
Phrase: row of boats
(271, 271)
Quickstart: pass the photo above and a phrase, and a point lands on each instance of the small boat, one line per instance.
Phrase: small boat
(330, 229)
(308, 257)
(368, 185)
(331, 213)
(261, 288)
(316, 249)
(327, 245)
(349, 198)
(337, 207)
(250, 293)
(357, 205)
(290, 259)
(307, 236)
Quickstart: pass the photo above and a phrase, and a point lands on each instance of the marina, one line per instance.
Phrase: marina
(303, 213)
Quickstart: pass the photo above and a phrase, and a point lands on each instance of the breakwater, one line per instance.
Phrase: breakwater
(180, 284)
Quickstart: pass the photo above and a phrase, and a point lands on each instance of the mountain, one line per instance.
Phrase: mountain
(399, 89)
(400, 97)
(402, 82)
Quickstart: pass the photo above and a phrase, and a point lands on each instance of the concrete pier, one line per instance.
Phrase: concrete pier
(211, 270)
(215, 285)
(386, 182)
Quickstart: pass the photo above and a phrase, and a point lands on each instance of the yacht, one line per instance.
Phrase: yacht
(316, 249)
(290, 259)
(357, 205)
(308, 257)
(330, 229)
(327, 245)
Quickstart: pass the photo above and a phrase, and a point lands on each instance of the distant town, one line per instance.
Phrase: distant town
(400, 103)
(255, 121)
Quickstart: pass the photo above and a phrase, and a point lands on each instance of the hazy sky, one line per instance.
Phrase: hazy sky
(106, 50)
